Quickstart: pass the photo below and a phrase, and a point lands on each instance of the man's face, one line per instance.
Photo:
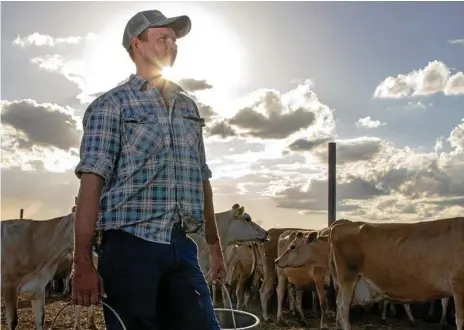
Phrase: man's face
(160, 47)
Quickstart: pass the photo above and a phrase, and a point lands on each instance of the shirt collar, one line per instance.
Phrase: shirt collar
(139, 82)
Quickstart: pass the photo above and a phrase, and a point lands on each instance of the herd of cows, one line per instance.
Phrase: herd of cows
(367, 263)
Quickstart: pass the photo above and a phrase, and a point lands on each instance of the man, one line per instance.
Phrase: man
(143, 175)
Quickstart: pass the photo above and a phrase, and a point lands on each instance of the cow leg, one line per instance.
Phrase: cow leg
(11, 306)
(299, 304)
(383, 318)
(314, 301)
(322, 301)
(265, 293)
(407, 309)
(246, 299)
(281, 286)
(66, 289)
(459, 310)
(226, 292)
(444, 308)
(91, 317)
(291, 298)
(77, 317)
(240, 292)
(213, 288)
(431, 309)
(347, 286)
(38, 307)
(392, 308)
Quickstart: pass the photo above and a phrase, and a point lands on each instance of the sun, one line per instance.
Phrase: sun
(170, 74)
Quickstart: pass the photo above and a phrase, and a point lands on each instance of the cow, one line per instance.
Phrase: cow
(300, 277)
(312, 248)
(404, 262)
(31, 252)
(234, 226)
(269, 268)
(240, 269)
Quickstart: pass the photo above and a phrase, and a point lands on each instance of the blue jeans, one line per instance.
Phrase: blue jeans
(154, 286)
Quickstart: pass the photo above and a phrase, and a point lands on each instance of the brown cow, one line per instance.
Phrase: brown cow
(240, 269)
(270, 276)
(31, 252)
(403, 261)
(299, 277)
(312, 248)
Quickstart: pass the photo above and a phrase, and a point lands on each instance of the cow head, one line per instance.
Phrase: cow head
(306, 249)
(240, 228)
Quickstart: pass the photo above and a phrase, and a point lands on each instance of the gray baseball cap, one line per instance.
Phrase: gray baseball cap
(154, 18)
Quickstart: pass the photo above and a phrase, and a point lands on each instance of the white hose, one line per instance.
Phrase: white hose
(101, 302)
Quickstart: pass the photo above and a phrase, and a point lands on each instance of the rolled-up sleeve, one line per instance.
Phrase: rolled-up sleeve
(101, 141)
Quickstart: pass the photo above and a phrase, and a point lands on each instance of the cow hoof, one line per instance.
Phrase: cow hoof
(411, 323)
(281, 322)
(383, 322)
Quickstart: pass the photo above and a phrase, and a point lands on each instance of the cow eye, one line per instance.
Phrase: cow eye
(292, 247)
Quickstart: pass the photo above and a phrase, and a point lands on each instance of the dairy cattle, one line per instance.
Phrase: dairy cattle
(299, 277)
(235, 226)
(269, 268)
(404, 262)
(31, 252)
(240, 270)
(312, 248)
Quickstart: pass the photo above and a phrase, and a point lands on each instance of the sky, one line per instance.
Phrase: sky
(275, 82)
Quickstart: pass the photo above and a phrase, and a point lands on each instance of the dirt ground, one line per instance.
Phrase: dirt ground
(66, 319)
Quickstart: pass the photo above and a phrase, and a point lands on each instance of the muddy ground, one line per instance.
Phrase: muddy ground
(66, 320)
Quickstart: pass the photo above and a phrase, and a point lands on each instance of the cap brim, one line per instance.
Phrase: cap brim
(180, 24)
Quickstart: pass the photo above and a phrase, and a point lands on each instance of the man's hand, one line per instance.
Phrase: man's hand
(217, 267)
(87, 284)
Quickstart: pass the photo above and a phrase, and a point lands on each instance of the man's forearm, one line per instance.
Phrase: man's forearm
(211, 232)
(88, 203)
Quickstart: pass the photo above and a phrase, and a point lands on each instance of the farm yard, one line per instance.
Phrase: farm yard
(361, 321)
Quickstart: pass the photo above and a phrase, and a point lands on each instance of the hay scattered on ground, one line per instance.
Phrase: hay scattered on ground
(66, 319)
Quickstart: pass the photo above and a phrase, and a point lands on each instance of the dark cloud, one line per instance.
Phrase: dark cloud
(307, 145)
(222, 129)
(314, 198)
(353, 150)
(194, 85)
(45, 125)
(273, 126)
(270, 118)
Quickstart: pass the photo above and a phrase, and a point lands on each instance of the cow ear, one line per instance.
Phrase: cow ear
(235, 206)
(312, 237)
(241, 210)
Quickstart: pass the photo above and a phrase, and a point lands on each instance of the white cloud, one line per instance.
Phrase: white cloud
(433, 78)
(368, 122)
(39, 40)
(457, 41)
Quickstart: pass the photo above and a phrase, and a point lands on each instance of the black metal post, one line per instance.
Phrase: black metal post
(332, 181)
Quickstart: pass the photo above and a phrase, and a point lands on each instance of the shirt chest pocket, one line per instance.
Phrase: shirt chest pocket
(142, 134)
(191, 126)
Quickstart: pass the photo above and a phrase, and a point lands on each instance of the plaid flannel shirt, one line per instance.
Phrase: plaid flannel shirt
(152, 159)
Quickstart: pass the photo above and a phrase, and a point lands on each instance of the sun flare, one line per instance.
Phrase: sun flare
(211, 52)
